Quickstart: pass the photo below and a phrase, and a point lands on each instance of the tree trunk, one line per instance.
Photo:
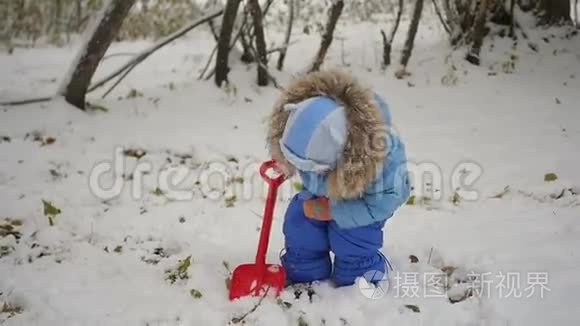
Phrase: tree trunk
(478, 33)
(57, 20)
(288, 34)
(260, 42)
(576, 18)
(247, 55)
(465, 12)
(409, 42)
(79, 15)
(512, 19)
(223, 50)
(441, 18)
(388, 40)
(526, 5)
(333, 15)
(453, 22)
(554, 11)
(99, 37)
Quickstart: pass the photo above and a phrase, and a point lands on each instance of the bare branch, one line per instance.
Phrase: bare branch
(147, 52)
(280, 48)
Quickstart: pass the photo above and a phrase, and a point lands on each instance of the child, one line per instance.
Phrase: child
(338, 137)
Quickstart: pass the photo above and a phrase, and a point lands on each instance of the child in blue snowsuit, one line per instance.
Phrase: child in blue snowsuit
(337, 135)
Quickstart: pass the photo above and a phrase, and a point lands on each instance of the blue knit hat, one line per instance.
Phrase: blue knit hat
(315, 134)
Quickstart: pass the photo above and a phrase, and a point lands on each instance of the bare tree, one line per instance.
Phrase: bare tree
(478, 33)
(512, 19)
(288, 34)
(452, 20)
(388, 39)
(441, 18)
(223, 47)
(576, 18)
(260, 42)
(78, 15)
(333, 15)
(99, 37)
(409, 42)
(554, 11)
(246, 35)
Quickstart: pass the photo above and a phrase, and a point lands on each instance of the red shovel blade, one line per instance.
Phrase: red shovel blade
(254, 279)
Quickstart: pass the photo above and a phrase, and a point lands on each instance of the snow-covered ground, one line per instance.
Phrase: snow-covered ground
(105, 260)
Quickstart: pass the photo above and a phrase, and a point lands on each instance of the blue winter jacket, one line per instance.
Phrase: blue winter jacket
(363, 187)
(386, 194)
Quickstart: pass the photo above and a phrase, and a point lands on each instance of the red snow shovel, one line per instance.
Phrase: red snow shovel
(255, 279)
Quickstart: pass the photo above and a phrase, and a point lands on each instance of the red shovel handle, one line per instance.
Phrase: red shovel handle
(271, 181)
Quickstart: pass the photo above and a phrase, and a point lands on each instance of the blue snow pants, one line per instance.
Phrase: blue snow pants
(308, 243)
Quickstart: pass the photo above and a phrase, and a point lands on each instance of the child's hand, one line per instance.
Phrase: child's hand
(317, 209)
(284, 169)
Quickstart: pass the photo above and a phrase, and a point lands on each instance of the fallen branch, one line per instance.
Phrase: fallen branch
(280, 48)
(209, 61)
(237, 320)
(119, 80)
(265, 69)
(122, 54)
(213, 30)
(147, 52)
(27, 101)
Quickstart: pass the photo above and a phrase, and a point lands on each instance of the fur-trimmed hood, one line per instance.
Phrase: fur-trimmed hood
(365, 149)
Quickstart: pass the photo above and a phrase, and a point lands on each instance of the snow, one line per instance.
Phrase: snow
(102, 264)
